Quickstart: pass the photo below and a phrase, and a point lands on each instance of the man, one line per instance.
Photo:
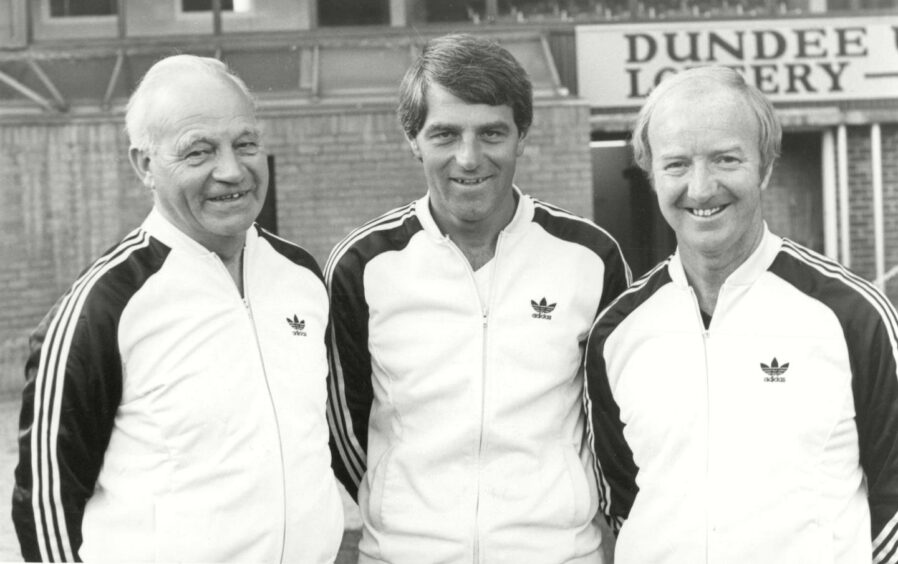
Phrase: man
(459, 321)
(177, 409)
(744, 393)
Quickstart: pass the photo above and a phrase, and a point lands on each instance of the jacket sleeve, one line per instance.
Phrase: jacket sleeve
(72, 391)
(350, 393)
(615, 467)
(617, 276)
(873, 346)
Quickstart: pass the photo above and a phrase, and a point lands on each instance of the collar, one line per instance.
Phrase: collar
(165, 231)
(747, 273)
(522, 217)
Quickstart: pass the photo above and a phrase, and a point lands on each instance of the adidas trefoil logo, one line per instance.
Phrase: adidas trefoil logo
(298, 325)
(542, 309)
(775, 371)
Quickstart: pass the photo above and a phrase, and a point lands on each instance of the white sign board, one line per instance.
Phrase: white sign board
(808, 59)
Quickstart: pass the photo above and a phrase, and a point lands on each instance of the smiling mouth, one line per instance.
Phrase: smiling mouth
(229, 197)
(706, 212)
(470, 181)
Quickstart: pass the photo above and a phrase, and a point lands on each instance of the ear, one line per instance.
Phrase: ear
(413, 143)
(766, 180)
(522, 142)
(140, 161)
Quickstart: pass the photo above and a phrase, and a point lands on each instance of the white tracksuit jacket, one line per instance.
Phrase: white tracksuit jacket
(461, 423)
(769, 437)
(169, 419)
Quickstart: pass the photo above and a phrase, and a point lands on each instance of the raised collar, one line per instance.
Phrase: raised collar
(747, 272)
(523, 215)
(166, 232)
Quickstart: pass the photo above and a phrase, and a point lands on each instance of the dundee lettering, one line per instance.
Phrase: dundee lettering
(797, 61)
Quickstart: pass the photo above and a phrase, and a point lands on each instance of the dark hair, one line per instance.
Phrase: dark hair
(477, 70)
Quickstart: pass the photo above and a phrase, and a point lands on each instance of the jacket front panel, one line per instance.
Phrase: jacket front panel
(475, 444)
(218, 447)
(745, 431)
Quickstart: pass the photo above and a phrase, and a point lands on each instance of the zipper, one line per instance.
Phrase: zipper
(706, 335)
(277, 423)
(484, 313)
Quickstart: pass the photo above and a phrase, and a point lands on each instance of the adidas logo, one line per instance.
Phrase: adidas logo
(774, 371)
(298, 325)
(542, 309)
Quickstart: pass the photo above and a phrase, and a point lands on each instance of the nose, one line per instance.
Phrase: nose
(701, 183)
(468, 153)
(228, 167)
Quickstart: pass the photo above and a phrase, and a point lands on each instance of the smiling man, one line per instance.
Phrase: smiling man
(459, 322)
(744, 392)
(174, 410)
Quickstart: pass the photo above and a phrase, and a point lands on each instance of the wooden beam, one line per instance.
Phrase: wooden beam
(27, 92)
(61, 103)
(113, 79)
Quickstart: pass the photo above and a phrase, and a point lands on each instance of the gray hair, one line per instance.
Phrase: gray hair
(771, 131)
(138, 123)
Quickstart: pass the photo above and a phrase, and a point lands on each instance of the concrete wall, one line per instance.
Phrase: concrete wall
(69, 193)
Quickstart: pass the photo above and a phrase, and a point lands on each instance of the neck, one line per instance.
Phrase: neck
(707, 272)
(477, 239)
(234, 263)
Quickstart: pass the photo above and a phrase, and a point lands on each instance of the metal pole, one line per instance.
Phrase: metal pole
(878, 224)
(830, 207)
(844, 204)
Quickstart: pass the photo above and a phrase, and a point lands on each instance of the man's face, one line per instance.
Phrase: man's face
(469, 153)
(207, 171)
(706, 169)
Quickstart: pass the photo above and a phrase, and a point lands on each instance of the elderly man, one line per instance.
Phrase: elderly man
(177, 409)
(744, 393)
(459, 323)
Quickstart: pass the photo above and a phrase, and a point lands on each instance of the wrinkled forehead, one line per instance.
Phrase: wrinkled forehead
(703, 106)
(200, 101)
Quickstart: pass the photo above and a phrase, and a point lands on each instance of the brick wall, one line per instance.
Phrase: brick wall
(69, 193)
(860, 184)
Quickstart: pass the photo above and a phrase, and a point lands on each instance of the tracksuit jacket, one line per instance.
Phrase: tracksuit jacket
(170, 419)
(769, 436)
(460, 423)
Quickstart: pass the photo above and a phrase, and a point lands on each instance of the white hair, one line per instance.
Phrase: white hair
(139, 124)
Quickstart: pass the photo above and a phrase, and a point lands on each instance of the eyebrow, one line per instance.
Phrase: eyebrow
(438, 126)
(195, 138)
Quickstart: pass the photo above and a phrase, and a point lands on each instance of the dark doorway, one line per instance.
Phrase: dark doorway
(625, 205)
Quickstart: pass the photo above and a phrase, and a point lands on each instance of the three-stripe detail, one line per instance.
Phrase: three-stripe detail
(49, 514)
(885, 545)
(339, 418)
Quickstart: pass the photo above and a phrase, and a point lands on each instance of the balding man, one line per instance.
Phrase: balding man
(175, 410)
(744, 393)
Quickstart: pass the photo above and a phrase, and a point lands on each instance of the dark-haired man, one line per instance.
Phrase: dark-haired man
(459, 321)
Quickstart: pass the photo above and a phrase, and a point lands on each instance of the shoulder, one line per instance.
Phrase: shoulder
(631, 299)
(291, 251)
(572, 228)
(100, 294)
(391, 231)
(854, 301)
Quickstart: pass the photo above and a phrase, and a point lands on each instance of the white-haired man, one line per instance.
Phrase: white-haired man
(175, 410)
(744, 394)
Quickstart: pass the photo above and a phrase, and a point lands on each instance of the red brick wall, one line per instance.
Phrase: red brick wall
(69, 193)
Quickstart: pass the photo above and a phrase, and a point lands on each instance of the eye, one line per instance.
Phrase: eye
(728, 160)
(493, 135)
(197, 154)
(247, 147)
(674, 166)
